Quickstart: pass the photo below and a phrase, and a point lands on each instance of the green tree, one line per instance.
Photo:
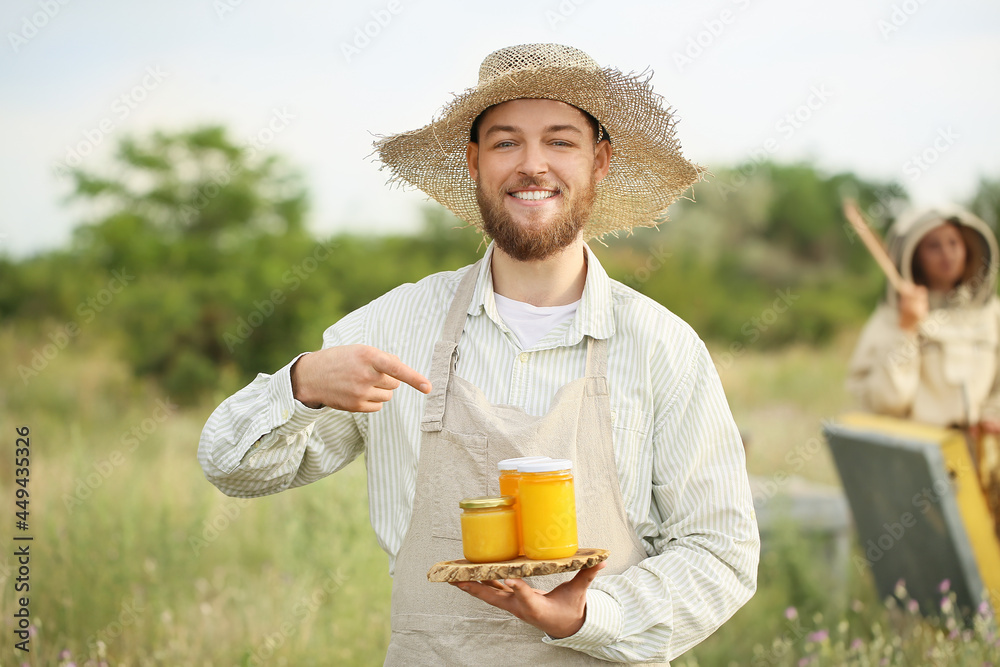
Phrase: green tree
(214, 235)
(750, 234)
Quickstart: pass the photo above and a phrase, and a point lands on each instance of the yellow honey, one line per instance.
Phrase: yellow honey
(548, 509)
(509, 478)
(489, 529)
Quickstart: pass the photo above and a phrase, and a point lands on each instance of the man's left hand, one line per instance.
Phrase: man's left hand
(559, 612)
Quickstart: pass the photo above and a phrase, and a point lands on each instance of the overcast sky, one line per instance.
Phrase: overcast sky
(891, 89)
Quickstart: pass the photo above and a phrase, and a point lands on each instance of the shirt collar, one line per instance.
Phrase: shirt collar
(595, 316)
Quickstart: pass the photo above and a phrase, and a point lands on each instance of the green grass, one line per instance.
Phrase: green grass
(138, 560)
(137, 550)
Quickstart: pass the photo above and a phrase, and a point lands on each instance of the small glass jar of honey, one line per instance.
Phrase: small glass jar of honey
(509, 478)
(548, 509)
(489, 529)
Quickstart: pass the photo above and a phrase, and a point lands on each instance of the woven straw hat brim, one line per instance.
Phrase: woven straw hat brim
(647, 172)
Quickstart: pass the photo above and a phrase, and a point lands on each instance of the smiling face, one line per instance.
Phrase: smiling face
(536, 167)
(940, 258)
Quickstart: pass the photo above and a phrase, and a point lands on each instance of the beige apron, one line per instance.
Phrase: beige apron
(464, 438)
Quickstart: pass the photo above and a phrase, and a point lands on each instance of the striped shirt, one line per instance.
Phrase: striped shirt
(678, 452)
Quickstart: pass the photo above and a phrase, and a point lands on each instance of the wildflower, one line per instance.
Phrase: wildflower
(983, 609)
(912, 606)
(64, 654)
(818, 636)
(946, 605)
(791, 613)
(856, 645)
(806, 660)
(944, 586)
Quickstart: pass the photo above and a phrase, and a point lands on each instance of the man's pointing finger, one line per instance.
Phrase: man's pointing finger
(393, 367)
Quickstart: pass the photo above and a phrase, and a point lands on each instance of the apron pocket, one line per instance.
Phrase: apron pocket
(458, 470)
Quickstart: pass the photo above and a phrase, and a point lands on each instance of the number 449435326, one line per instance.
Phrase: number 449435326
(22, 463)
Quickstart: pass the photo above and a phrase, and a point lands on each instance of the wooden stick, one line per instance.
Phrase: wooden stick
(873, 243)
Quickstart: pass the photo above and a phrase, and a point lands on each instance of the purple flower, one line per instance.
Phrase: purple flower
(791, 613)
(856, 645)
(64, 654)
(818, 636)
(806, 661)
(912, 606)
(944, 586)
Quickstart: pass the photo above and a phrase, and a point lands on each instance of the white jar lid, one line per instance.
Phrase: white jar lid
(511, 464)
(552, 465)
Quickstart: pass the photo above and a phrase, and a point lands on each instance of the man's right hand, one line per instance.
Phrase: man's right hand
(914, 306)
(355, 378)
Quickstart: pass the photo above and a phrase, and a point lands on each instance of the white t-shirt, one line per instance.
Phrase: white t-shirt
(531, 323)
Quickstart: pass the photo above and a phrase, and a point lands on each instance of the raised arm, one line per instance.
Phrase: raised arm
(884, 371)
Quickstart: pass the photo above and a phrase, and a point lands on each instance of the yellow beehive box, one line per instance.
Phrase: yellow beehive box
(918, 507)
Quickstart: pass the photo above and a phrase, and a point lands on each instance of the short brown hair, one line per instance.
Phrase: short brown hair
(599, 131)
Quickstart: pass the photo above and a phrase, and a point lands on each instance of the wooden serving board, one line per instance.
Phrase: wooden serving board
(463, 570)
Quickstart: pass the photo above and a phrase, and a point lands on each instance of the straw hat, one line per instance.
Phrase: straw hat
(647, 171)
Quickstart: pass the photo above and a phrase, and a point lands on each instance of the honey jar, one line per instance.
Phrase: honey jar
(489, 529)
(509, 478)
(548, 509)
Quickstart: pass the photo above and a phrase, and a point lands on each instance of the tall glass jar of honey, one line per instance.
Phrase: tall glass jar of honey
(548, 509)
(509, 478)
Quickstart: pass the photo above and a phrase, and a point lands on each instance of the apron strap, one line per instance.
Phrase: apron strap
(445, 351)
(444, 357)
(597, 357)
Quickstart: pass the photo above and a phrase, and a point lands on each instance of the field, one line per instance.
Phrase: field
(137, 560)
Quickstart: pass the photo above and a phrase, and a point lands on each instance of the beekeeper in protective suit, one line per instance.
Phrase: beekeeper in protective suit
(931, 351)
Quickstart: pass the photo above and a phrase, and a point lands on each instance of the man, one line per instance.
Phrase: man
(533, 350)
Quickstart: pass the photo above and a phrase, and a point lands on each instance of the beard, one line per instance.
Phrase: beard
(535, 241)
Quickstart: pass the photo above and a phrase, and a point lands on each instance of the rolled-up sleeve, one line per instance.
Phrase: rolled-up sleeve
(261, 440)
